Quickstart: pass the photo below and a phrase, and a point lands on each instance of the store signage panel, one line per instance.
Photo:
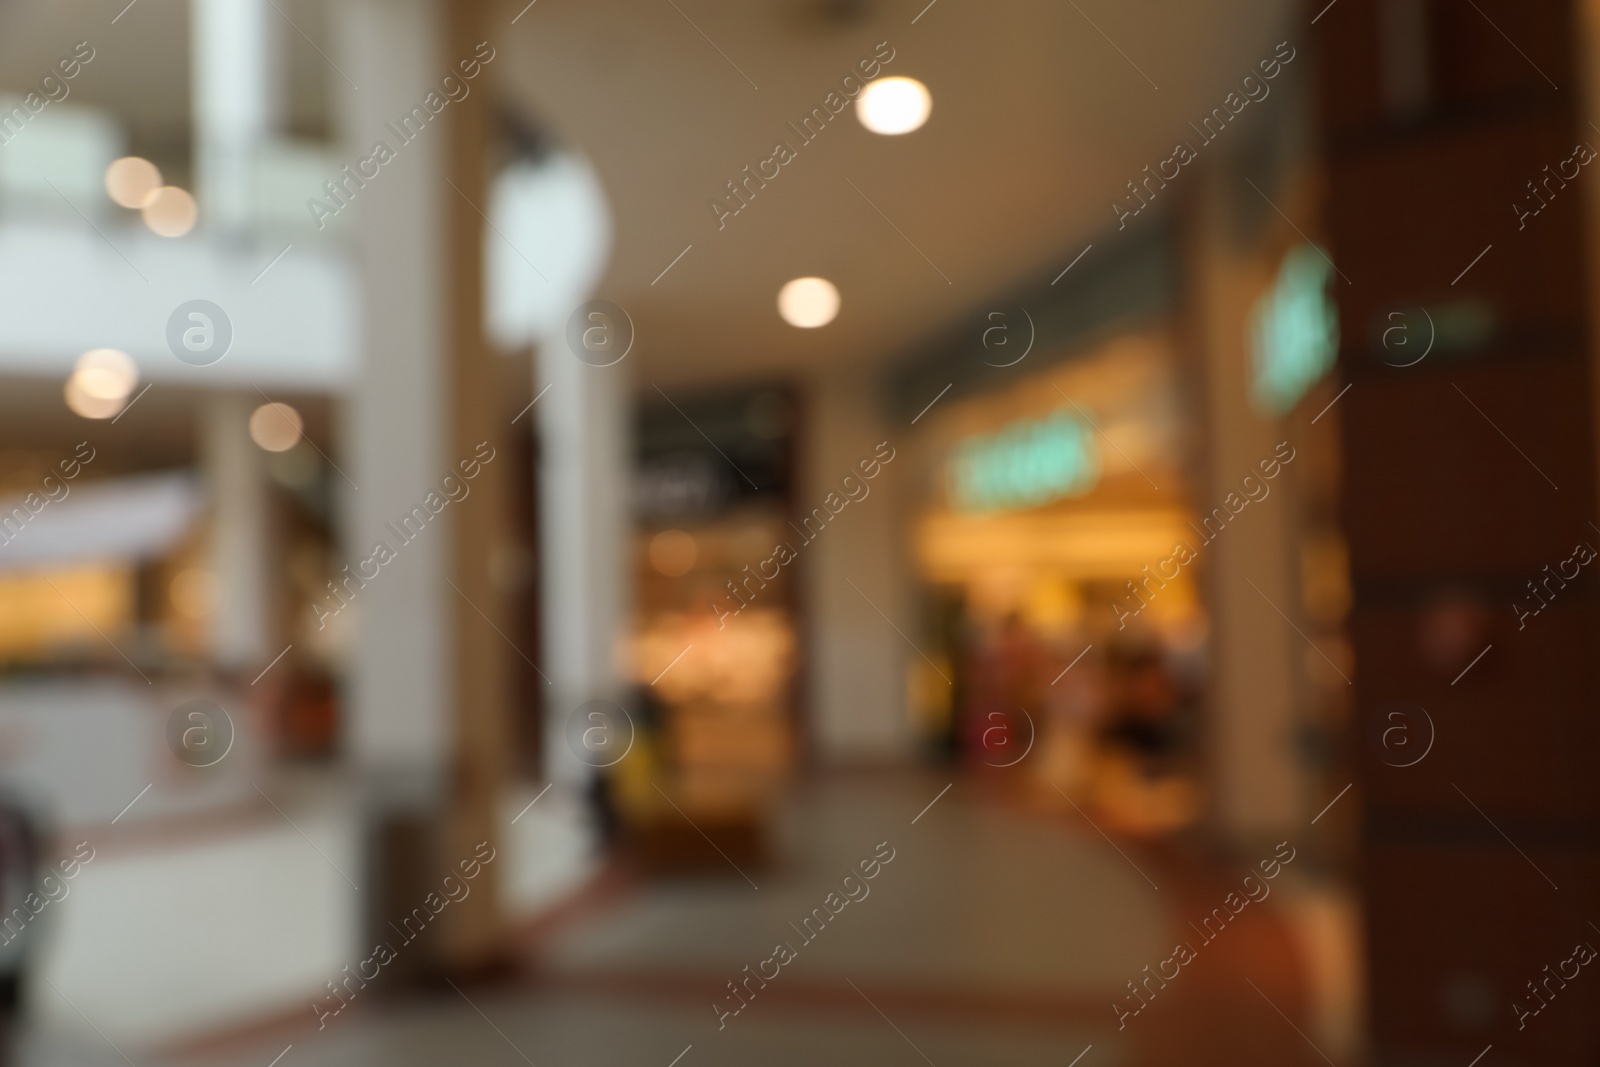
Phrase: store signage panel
(1294, 330)
(1027, 463)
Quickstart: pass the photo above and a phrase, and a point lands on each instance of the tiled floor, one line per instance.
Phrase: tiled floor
(993, 937)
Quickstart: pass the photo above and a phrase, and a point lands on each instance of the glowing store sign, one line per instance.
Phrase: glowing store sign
(1028, 463)
(1294, 331)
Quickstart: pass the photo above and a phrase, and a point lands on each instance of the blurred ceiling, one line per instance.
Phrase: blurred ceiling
(1039, 118)
(1042, 111)
(140, 70)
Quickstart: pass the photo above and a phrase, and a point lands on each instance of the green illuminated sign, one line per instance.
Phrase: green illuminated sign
(1028, 463)
(1294, 331)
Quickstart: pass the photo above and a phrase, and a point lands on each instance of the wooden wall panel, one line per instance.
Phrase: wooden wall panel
(1448, 519)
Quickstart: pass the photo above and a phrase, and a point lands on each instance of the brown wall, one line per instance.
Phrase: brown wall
(1450, 509)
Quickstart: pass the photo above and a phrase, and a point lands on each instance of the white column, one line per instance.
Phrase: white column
(398, 711)
(233, 49)
(858, 661)
(1256, 774)
(235, 474)
(584, 475)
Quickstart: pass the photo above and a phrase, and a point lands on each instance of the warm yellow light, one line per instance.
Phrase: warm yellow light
(808, 302)
(170, 211)
(44, 611)
(673, 552)
(90, 407)
(193, 591)
(106, 373)
(275, 427)
(132, 182)
(894, 105)
(101, 380)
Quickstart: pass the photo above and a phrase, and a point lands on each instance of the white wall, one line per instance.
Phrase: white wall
(1256, 775)
(79, 751)
(158, 943)
(584, 524)
(67, 291)
(858, 662)
(394, 424)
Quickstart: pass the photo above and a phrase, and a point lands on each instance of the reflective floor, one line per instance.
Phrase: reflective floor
(992, 935)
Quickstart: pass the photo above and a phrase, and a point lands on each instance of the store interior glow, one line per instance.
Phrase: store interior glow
(1294, 331)
(673, 553)
(1105, 545)
(57, 608)
(1027, 463)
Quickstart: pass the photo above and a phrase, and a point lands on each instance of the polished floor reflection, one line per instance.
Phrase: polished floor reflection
(995, 934)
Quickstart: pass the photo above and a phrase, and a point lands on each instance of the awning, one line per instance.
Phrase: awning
(124, 520)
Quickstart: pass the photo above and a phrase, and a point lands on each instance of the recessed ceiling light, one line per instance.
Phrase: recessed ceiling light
(894, 105)
(132, 182)
(170, 211)
(275, 427)
(90, 407)
(808, 302)
(100, 382)
(106, 373)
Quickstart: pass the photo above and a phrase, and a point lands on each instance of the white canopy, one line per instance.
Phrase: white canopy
(122, 520)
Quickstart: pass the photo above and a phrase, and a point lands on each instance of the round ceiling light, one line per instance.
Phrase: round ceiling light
(275, 427)
(132, 182)
(808, 302)
(106, 373)
(894, 105)
(90, 407)
(170, 211)
(101, 380)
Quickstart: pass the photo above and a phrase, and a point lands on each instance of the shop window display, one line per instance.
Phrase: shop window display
(1042, 500)
(716, 688)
